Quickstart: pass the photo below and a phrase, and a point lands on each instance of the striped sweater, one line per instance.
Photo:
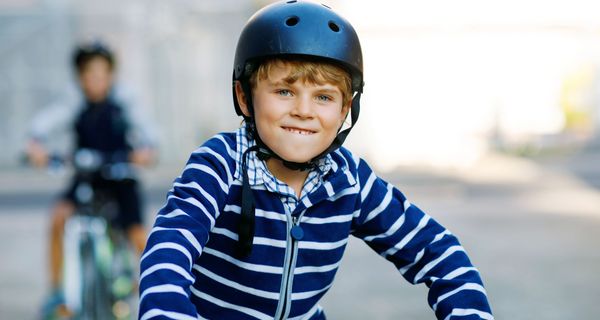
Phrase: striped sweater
(190, 269)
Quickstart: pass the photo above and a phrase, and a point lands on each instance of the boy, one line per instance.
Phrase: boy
(256, 225)
(102, 117)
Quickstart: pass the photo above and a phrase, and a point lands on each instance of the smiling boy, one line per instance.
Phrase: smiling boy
(256, 225)
(300, 107)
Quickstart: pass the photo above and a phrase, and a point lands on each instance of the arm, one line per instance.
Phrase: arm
(180, 231)
(52, 118)
(420, 248)
(56, 116)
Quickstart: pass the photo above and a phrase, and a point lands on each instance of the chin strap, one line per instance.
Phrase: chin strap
(246, 225)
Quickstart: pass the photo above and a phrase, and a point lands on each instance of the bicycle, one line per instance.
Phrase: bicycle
(98, 267)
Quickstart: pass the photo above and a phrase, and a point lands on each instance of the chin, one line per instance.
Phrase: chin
(297, 156)
(298, 160)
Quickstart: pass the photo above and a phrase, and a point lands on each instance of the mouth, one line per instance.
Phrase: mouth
(299, 130)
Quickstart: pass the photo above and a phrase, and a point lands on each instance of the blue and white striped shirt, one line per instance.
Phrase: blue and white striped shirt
(190, 269)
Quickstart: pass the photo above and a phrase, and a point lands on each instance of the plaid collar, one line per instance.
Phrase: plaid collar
(259, 174)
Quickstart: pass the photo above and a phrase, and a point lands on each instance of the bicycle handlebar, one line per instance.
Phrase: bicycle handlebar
(113, 166)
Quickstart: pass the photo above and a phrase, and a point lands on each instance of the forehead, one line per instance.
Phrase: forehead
(277, 69)
(285, 76)
(295, 71)
(96, 63)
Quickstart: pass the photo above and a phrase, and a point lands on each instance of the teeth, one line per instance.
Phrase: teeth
(303, 132)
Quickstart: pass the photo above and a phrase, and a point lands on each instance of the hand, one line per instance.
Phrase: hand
(37, 154)
(142, 157)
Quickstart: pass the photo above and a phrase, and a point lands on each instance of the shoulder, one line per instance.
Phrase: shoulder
(218, 150)
(214, 159)
(121, 90)
(221, 145)
(125, 96)
(350, 162)
(71, 97)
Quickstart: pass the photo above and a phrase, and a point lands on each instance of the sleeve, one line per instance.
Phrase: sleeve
(144, 131)
(420, 248)
(56, 116)
(180, 232)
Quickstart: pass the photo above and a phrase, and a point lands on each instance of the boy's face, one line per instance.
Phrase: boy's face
(95, 79)
(296, 120)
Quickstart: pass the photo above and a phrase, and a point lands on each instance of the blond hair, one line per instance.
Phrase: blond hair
(308, 71)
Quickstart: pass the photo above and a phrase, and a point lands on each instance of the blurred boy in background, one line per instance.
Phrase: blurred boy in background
(101, 116)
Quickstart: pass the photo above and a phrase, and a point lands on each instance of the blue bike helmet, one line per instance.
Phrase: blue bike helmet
(298, 28)
(305, 30)
(292, 30)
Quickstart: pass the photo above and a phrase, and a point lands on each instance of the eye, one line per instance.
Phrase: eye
(324, 98)
(284, 92)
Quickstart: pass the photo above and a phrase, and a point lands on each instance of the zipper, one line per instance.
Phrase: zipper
(295, 233)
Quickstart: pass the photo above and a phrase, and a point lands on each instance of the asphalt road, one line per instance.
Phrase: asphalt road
(531, 227)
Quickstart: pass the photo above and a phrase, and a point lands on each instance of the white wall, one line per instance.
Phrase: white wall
(445, 79)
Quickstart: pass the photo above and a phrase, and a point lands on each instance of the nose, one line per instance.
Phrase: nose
(303, 108)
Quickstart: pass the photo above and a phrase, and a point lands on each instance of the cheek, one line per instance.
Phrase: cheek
(341, 118)
(260, 116)
(264, 119)
(96, 83)
(334, 119)
(268, 110)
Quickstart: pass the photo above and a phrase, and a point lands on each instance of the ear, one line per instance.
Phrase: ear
(346, 109)
(241, 98)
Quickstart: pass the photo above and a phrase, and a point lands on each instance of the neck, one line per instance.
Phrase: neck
(294, 178)
(96, 100)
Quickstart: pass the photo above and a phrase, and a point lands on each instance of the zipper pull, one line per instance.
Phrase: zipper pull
(297, 232)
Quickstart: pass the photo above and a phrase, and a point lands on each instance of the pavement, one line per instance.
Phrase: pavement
(530, 226)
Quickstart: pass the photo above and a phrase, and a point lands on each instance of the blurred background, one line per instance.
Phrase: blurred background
(485, 114)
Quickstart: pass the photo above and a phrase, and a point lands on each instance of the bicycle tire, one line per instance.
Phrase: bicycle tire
(96, 298)
(89, 282)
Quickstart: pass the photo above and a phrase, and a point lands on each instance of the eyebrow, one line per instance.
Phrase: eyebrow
(278, 83)
(327, 88)
(330, 90)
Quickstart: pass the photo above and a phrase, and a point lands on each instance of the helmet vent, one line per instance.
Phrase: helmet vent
(292, 1)
(334, 27)
(292, 21)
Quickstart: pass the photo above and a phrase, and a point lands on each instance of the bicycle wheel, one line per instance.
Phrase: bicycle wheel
(89, 282)
(103, 258)
(123, 280)
(95, 294)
